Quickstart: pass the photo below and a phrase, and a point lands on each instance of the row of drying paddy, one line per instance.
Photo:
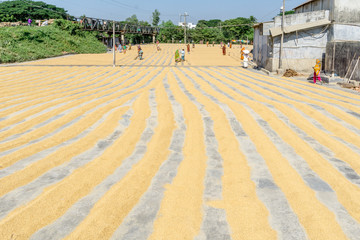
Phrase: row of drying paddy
(165, 152)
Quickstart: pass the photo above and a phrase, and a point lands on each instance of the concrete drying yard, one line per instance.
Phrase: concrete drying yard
(150, 150)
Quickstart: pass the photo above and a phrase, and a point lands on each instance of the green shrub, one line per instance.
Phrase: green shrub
(23, 43)
(70, 27)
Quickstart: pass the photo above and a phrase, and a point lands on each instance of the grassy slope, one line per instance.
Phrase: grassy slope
(18, 44)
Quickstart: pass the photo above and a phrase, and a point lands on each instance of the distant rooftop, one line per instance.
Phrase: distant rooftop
(309, 1)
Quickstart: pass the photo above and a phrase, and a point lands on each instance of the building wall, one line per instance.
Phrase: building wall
(345, 52)
(343, 11)
(302, 18)
(301, 49)
(346, 18)
(314, 6)
(326, 4)
(345, 15)
(346, 11)
(262, 51)
(256, 45)
(266, 28)
(344, 32)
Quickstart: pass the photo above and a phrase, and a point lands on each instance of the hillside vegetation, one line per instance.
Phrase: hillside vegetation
(23, 43)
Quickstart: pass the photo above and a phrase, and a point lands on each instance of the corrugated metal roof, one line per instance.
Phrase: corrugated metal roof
(309, 1)
(277, 31)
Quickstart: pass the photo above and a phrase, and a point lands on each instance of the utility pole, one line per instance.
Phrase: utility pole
(114, 53)
(282, 36)
(185, 25)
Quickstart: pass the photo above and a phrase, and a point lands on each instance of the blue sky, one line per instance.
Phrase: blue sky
(263, 10)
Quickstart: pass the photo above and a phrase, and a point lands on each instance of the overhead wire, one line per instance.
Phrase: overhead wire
(121, 4)
(87, 7)
(118, 4)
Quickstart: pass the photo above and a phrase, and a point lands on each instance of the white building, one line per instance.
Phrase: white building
(310, 34)
(189, 25)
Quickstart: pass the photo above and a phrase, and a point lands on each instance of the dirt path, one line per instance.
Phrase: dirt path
(154, 150)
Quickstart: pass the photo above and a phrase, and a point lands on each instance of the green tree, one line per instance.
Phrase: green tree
(239, 28)
(169, 31)
(205, 33)
(21, 10)
(252, 19)
(136, 38)
(216, 30)
(210, 23)
(155, 17)
(133, 20)
(287, 12)
(213, 23)
(202, 23)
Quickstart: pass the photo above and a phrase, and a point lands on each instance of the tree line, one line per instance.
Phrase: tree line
(214, 30)
(22, 10)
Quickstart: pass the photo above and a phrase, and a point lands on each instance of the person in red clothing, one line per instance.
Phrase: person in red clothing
(224, 49)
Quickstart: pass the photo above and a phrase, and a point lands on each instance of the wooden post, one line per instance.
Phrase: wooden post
(352, 74)
(282, 36)
(333, 62)
(349, 68)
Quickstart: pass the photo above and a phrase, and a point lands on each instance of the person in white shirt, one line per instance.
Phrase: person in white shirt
(183, 55)
(246, 58)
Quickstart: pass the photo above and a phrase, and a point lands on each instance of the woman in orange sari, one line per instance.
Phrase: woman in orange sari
(317, 70)
(242, 53)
